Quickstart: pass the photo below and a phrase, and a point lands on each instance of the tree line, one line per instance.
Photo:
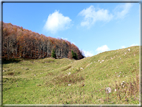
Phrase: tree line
(18, 42)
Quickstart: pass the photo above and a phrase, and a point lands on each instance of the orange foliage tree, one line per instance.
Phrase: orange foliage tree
(19, 42)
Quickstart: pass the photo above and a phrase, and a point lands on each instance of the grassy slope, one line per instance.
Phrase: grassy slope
(45, 81)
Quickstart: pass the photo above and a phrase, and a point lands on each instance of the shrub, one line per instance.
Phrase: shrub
(74, 55)
(53, 54)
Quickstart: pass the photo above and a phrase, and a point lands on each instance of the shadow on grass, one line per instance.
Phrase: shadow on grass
(5, 61)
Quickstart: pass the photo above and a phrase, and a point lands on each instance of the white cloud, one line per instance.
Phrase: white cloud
(102, 48)
(122, 46)
(91, 15)
(64, 38)
(122, 10)
(73, 43)
(56, 21)
(88, 53)
(68, 40)
(134, 44)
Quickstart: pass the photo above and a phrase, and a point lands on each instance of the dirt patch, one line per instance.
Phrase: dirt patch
(10, 73)
(66, 68)
(48, 61)
(50, 73)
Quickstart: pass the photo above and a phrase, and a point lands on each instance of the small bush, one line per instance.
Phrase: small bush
(53, 54)
(74, 55)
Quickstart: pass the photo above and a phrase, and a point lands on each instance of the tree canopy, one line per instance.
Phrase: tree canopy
(22, 43)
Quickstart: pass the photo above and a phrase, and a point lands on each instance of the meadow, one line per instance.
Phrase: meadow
(110, 77)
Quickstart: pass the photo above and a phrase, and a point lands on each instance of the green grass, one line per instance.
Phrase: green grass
(45, 81)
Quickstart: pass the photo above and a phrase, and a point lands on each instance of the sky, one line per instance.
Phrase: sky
(92, 27)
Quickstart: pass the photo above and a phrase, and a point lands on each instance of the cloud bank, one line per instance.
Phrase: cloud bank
(88, 53)
(91, 15)
(122, 10)
(134, 44)
(123, 47)
(56, 22)
(102, 49)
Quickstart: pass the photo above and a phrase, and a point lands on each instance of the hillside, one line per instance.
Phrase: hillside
(68, 81)
(22, 43)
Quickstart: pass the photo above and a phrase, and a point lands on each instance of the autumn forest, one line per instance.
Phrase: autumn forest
(18, 42)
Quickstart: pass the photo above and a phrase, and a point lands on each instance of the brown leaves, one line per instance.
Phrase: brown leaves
(35, 45)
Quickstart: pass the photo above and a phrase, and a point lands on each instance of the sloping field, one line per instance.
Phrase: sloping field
(65, 81)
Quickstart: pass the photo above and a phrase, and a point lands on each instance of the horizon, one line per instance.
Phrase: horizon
(93, 27)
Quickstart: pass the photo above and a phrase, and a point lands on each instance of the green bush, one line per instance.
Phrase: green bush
(74, 55)
(53, 54)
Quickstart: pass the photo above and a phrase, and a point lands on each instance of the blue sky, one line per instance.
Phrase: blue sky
(92, 27)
